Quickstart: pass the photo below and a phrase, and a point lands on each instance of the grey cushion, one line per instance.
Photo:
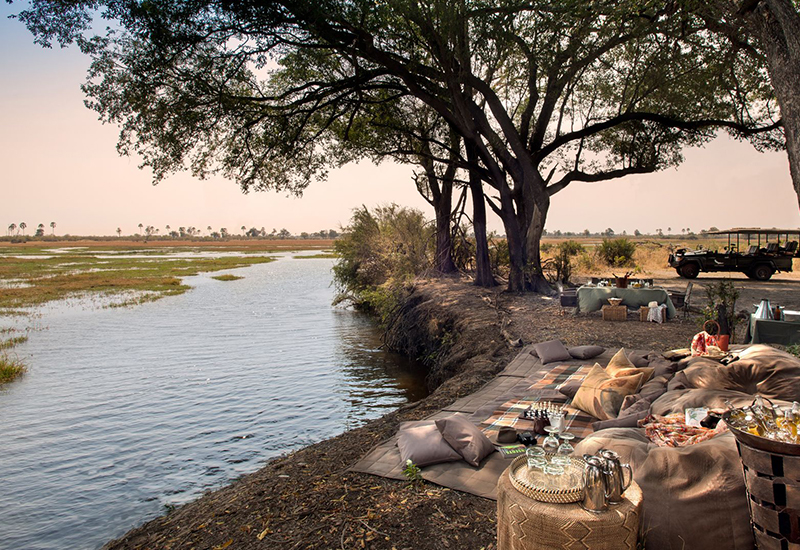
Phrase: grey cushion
(423, 444)
(642, 405)
(585, 352)
(654, 389)
(465, 437)
(638, 360)
(571, 388)
(630, 421)
(552, 351)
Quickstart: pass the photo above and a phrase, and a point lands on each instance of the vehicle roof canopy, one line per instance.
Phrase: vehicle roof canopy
(755, 231)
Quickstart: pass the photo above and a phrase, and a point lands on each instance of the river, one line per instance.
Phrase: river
(125, 412)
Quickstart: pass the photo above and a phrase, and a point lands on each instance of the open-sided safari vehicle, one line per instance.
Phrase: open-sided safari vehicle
(758, 253)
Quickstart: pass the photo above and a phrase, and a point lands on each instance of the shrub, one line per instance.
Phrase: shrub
(722, 293)
(563, 258)
(379, 252)
(617, 252)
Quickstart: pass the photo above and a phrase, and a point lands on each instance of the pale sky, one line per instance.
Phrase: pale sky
(59, 163)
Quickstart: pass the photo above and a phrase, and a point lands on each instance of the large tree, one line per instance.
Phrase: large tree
(542, 93)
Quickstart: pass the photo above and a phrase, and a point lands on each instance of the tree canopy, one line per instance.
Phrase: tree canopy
(540, 94)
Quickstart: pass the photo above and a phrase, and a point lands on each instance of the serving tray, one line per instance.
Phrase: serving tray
(532, 483)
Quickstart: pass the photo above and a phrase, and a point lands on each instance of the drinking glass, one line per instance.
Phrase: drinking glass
(550, 443)
(566, 448)
(553, 473)
(557, 420)
(533, 453)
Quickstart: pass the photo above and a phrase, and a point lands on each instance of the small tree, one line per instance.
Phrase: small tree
(617, 252)
(725, 294)
(119, 232)
(53, 227)
(39, 230)
(22, 226)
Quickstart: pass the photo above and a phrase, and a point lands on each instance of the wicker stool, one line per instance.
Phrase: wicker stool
(614, 313)
(527, 524)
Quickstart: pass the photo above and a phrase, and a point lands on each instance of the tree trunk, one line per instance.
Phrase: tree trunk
(483, 267)
(534, 238)
(777, 25)
(515, 237)
(444, 244)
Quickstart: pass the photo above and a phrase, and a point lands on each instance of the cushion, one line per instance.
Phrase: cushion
(465, 437)
(551, 351)
(654, 389)
(641, 406)
(571, 388)
(663, 366)
(620, 365)
(423, 444)
(601, 395)
(585, 352)
(693, 497)
(638, 360)
(630, 421)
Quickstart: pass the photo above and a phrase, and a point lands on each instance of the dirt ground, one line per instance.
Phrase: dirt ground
(308, 499)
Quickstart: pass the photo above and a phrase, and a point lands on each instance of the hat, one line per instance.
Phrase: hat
(507, 435)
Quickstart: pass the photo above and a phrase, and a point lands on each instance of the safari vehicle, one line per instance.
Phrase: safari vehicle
(758, 253)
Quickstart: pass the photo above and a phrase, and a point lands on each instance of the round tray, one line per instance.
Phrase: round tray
(530, 483)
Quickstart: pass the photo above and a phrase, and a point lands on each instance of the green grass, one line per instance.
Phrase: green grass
(35, 281)
(227, 277)
(10, 368)
(11, 342)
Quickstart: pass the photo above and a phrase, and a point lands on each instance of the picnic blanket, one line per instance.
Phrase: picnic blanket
(550, 381)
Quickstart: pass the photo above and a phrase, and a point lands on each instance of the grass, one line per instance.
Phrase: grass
(10, 368)
(227, 277)
(38, 276)
(320, 255)
(11, 342)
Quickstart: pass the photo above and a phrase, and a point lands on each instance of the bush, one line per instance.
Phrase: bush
(379, 252)
(617, 252)
(722, 293)
(563, 258)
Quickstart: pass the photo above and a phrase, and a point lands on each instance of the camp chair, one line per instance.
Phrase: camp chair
(681, 300)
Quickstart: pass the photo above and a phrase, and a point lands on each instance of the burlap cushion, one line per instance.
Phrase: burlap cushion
(620, 365)
(423, 444)
(465, 437)
(601, 395)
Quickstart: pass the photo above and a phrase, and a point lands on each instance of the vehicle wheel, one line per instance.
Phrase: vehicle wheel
(678, 271)
(689, 271)
(749, 274)
(763, 272)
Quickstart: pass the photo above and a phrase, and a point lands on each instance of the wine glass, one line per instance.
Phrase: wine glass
(566, 448)
(550, 443)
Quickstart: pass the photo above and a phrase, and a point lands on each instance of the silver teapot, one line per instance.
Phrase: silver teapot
(615, 472)
(595, 484)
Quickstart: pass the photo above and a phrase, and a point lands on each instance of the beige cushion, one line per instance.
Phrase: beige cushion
(465, 437)
(601, 395)
(620, 365)
(423, 444)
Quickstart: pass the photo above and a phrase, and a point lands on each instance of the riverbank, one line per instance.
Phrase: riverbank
(308, 499)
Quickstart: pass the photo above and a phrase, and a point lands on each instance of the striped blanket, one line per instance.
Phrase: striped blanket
(577, 422)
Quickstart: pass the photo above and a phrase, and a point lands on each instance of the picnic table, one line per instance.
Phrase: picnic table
(762, 331)
(593, 298)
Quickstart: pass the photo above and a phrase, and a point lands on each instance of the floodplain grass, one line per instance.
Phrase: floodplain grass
(331, 255)
(39, 275)
(227, 277)
(10, 368)
(11, 342)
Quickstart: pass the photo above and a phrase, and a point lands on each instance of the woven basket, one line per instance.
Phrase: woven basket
(518, 471)
(615, 313)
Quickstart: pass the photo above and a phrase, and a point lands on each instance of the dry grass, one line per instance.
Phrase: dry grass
(227, 277)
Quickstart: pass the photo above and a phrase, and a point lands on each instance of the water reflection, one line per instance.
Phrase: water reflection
(125, 411)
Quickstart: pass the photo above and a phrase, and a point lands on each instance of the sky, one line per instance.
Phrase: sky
(58, 163)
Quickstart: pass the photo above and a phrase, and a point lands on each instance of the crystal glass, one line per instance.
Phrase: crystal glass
(550, 443)
(557, 420)
(566, 448)
(533, 453)
(553, 473)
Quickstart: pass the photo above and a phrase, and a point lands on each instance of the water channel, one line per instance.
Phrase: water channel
(125, 412)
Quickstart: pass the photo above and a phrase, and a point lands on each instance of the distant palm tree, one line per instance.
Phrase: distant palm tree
(11, 228)
(119, 232)
(40, 230)
(244, 228)
(140, 227)
(167, 229)
(53, 227)
(209, 229)
(22, 226)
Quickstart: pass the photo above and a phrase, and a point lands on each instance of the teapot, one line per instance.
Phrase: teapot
(595, 484)
(616, 476)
